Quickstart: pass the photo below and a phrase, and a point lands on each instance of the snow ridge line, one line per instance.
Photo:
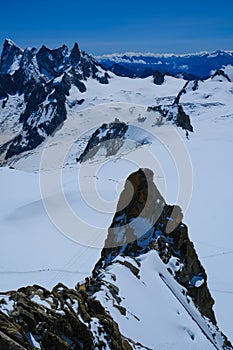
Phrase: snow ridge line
(163, 278)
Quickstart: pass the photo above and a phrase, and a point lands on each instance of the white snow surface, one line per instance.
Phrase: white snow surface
(229, 71)
(148, 302)
(33, 249)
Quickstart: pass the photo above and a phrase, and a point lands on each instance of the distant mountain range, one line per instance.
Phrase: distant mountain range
(189, 66)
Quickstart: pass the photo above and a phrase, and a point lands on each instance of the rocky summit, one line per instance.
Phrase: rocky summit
(165, 233)
(96, 314)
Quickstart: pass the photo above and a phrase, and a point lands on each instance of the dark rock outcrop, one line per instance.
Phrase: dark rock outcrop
(158, 78)
(52, 63)
(174, 113)
(108, 136)
(221, 75)
(7, 343)
(183, 120)
(60, 319)
(75, 55)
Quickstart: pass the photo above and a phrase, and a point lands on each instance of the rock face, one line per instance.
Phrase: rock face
(44, 78)
(34, 317)
(158, 77)
(59, 319)
(7, 343)
(193, 85)
(165, 232)
(109, 137)
(11, 55)
(174, 113)
(220, 75)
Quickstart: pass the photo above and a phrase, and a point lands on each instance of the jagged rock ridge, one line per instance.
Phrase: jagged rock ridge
(59, 319)
(221, 75)
(44, 78)
(174, 112)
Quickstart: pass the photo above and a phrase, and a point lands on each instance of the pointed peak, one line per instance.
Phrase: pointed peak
(43, 47)
(76, 46)
(10, 57)
(75, 55)
(9, 42)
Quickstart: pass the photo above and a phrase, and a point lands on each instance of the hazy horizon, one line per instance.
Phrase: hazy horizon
(113, 52)
(109, 27)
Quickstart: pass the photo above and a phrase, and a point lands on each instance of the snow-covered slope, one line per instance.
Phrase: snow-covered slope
(142, 309)
(33, 249)
(229, 71)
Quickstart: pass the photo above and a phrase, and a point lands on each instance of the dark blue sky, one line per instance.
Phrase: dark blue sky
(106, 27)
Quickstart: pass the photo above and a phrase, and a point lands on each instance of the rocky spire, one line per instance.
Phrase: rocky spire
(144, 221)
(75, 55)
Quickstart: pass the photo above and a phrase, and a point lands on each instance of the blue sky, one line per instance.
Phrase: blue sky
(106, 27)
